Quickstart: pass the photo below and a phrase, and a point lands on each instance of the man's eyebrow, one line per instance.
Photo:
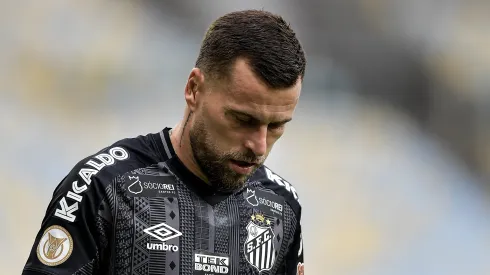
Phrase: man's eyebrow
(283, 121)
(252, 117)
(240, 113)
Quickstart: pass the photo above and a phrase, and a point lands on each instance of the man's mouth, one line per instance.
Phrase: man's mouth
(243, 164)
(242, 167)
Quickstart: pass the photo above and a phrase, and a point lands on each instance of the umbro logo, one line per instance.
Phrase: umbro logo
(162, 232)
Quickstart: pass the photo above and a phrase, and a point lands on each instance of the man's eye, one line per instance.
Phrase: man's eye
(276, 126)
(243, 120)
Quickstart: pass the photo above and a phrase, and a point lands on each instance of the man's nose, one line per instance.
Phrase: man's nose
(257, 141)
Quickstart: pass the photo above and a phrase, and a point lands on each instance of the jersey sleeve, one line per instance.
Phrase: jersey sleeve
(73, 234)
(294, 259)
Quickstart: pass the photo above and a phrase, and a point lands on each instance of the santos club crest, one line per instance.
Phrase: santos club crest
(259, 246)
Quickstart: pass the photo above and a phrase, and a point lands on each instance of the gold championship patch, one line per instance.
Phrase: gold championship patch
(55, 246)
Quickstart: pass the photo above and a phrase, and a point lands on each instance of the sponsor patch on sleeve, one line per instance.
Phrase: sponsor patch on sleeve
(150, 186)
(266, 202)
(55, 246)
(207, 263)
(301, 269)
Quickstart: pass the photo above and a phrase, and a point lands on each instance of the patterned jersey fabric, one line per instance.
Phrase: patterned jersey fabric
(134, 208)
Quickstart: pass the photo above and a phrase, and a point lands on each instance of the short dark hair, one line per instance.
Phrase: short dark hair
(264, 39)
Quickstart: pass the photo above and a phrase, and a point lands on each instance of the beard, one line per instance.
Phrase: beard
(215, 164)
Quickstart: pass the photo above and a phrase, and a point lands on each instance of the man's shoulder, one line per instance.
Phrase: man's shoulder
(90, 177)
(116, 159)
(271, 180)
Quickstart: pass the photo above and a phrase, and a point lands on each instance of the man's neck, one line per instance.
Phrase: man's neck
(179, 137)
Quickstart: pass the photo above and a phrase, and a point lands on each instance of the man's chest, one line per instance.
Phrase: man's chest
(168, 229)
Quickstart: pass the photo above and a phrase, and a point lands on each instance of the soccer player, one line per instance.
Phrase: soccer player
(195, 198)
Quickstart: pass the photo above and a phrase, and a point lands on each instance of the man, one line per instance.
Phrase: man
(195, 199)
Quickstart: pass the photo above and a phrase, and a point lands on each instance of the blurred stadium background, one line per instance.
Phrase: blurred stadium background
(389, 149)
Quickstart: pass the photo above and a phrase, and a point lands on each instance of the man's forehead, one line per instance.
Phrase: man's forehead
(267, 106)
(263, 116)
(244, 86)
(245, 103)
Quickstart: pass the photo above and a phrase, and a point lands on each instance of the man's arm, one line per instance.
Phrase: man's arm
(294, 259)
(74, 232)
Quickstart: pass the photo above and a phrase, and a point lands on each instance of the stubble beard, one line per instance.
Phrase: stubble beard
(215, 165)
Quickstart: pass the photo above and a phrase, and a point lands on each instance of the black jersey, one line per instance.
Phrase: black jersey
(134, 208)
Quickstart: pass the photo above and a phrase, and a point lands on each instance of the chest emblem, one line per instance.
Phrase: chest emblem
(259, 246)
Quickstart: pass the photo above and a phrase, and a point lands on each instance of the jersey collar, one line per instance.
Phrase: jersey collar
(193, 182)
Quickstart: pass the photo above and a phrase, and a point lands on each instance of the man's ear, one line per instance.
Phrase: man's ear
(194, 88)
